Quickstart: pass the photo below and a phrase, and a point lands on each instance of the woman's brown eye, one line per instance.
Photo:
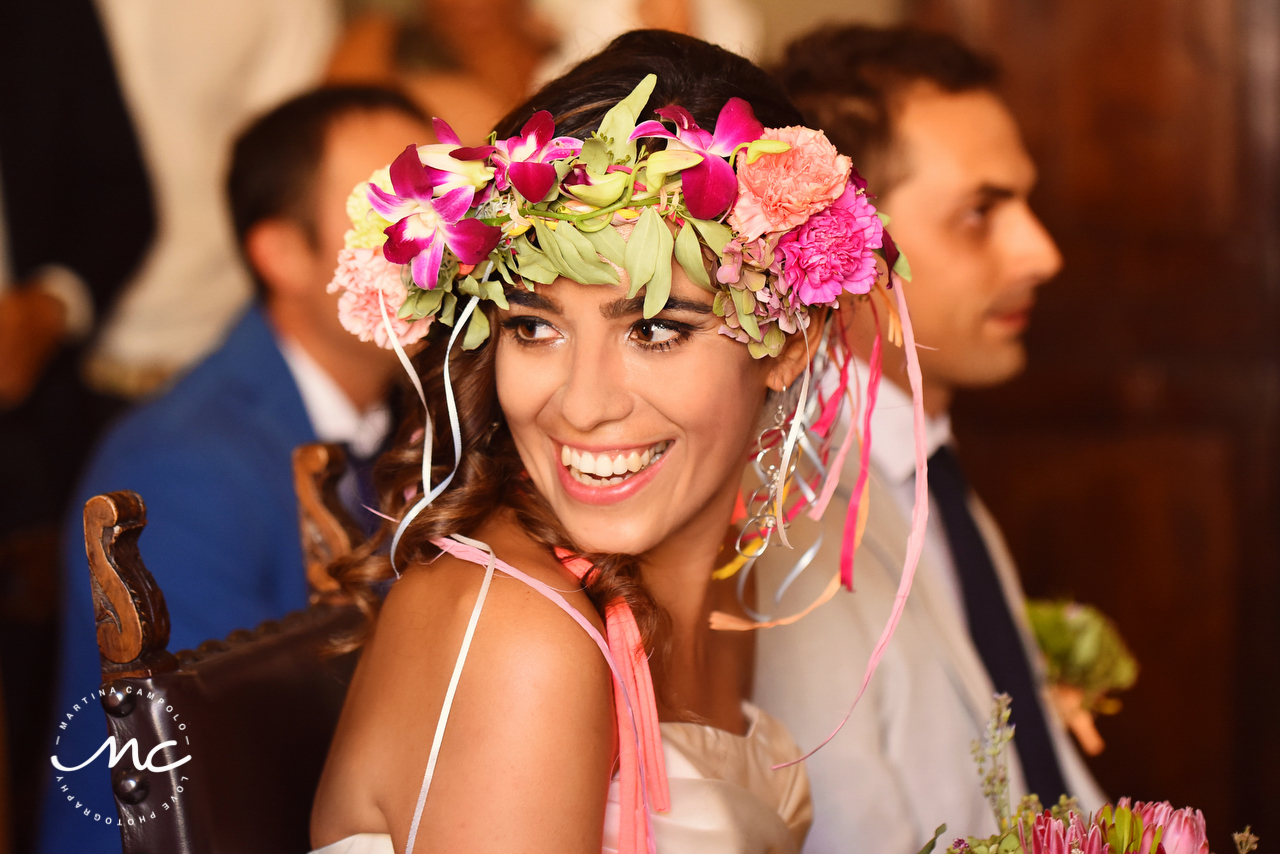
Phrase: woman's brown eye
(652, 332)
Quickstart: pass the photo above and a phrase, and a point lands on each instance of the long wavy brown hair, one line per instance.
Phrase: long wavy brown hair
(691, 73)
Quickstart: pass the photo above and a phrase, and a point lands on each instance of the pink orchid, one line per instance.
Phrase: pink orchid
(524, 161)
(423, 226)
(711, 186)
(450, 165)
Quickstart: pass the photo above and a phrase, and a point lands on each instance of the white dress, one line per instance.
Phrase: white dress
(725, 799)
(725, 796)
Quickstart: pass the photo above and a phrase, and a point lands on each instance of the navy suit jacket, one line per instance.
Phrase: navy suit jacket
(212, 460)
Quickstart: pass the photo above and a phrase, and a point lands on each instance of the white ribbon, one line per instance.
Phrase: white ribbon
(429, 494)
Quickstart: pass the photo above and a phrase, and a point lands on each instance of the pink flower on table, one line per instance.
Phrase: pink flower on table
(363, 275)
(1184, 830)
(423, 225)
(710, 186)
(780, 191)
(524, 161)
(1048, 835)
(831, 253)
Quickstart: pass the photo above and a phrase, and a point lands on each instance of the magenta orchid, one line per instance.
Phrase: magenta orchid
(423, 225)
(711, 186)
(524, 161)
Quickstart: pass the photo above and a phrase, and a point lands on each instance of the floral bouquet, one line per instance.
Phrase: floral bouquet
(1124, 828)
(1087, 660)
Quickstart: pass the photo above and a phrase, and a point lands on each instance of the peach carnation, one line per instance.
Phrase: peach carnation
(780, 191)
(362, 275)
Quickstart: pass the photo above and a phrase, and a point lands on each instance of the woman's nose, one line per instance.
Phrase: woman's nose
(595, 389)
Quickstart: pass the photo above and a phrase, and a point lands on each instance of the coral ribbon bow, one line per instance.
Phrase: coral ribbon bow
(634, 770)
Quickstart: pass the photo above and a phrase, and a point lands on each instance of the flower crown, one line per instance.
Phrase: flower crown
(783, 217)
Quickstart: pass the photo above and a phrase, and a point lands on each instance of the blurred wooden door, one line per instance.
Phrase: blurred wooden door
(1134, 465)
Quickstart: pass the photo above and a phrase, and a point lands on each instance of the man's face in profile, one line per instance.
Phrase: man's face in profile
(976, 250)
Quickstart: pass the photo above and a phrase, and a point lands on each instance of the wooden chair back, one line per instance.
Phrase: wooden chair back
(254, 711)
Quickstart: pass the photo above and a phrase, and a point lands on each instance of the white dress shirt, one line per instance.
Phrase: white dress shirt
(893, 450)
(333, 416)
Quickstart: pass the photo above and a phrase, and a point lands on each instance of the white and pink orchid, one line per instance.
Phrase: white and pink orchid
(424, 225)
(524, 161)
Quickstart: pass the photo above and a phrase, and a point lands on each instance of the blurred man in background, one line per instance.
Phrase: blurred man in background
(212, 457)
(919, 115)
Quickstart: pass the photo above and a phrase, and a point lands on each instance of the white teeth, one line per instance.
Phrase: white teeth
(599, 470)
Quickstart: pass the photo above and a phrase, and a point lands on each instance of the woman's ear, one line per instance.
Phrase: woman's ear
(797, 352)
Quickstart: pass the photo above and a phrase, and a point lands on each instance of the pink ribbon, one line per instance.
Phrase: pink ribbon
(631, 679)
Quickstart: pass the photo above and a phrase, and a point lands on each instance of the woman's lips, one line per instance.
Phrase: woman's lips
(583, 473)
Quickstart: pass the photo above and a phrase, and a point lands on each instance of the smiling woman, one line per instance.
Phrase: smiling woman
(608, 352)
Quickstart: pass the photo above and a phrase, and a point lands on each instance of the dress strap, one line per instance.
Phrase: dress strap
(490, 565)
(477, 552)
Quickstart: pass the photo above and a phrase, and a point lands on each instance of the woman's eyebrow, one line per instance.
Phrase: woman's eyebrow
(622, 307)
(531, 299)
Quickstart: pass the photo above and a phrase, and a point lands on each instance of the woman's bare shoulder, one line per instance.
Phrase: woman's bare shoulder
(532, 679)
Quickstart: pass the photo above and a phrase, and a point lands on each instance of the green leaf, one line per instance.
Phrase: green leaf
(641, 256)
(533, 264)
(689, 254)
(502, 264)
(450, 305)
(495, 293)
(884, 218)
(469, 286)
(477, 330)
(745, 303)
(620, 121)
(660, 164)
(720, 305)
(716, 235)
(561, 249)
(427, 302)
(929, 846)
(901, 267)
(608, 243)
(595, 156)
(761, 147)
(659, 287)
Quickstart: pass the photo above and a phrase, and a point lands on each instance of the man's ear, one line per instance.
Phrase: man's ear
(282, 256)
(797, 352)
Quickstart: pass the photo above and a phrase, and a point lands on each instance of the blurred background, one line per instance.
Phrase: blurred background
(1134, 465)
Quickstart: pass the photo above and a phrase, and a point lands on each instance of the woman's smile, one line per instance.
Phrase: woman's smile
(609, 476)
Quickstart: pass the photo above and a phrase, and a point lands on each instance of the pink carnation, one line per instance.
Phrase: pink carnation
(362, 275)
(780, 191)
(831, 252)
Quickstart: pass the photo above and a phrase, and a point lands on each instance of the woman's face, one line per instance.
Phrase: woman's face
(634, 430)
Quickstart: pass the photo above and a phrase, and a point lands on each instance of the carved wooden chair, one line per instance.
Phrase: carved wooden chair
(257, 709)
